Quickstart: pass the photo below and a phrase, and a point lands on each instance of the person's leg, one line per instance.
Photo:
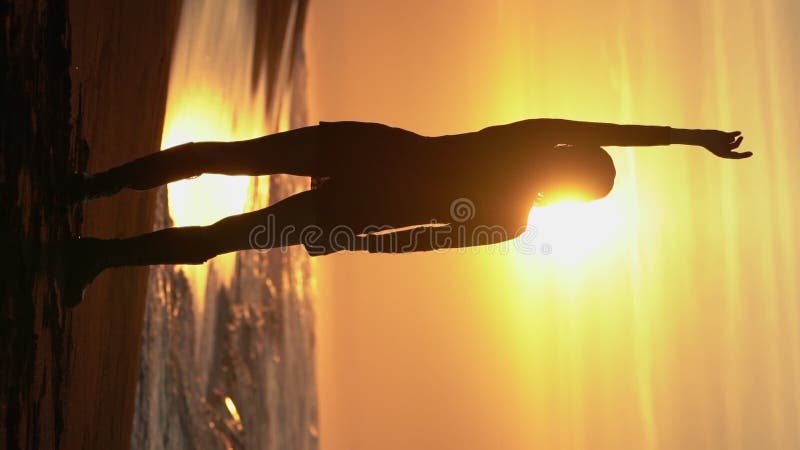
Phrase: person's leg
(292, 152)
(278, 225)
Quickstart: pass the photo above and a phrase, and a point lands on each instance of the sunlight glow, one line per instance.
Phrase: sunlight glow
(210, 99)
(205, 199)
(572, 230)
(666, 315)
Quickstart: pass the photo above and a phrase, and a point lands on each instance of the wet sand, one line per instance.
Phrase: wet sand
(69, 376)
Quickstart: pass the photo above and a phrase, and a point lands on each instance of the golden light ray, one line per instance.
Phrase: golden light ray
(209, 99)
(232, 409)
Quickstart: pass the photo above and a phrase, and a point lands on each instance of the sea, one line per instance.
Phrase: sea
(239, 372)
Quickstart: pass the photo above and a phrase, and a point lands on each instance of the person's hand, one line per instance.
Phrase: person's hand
(723, 143)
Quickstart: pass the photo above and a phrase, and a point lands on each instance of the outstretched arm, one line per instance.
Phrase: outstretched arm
(720, 143)
(561, 131)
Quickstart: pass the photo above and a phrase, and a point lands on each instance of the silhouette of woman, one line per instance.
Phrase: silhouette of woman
(385, 189)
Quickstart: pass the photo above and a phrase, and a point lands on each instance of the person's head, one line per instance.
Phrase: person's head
(573, 172)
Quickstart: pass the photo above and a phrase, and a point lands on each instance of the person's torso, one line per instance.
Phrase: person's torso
(408, 179)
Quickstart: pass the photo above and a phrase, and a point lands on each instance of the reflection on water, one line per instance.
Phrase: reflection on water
(227, 355)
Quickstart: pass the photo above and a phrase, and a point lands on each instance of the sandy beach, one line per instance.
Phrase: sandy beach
(87, 84)
(120, 55)
(69, 376)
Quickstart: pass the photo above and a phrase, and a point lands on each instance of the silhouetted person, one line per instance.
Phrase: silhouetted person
(385, 189)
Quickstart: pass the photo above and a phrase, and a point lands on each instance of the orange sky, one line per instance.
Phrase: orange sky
(666, 317)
